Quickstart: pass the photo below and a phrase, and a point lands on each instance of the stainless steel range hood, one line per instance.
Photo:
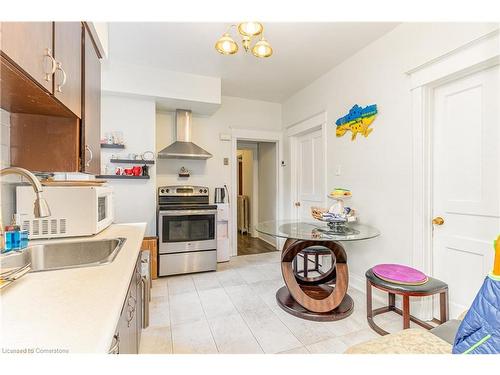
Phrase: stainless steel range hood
(183, 148)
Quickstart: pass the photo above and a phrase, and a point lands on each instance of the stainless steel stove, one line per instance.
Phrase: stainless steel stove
(187, 229)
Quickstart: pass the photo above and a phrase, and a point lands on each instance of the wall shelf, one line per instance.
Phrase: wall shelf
(132, 161)
(106, 145)
(121, 177)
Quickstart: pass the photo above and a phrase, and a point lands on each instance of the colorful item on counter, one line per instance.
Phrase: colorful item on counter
(399, 274)
(357, 121)
(15, 238)
(479, 332)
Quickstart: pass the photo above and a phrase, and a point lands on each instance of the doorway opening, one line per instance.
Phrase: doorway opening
(256, 195)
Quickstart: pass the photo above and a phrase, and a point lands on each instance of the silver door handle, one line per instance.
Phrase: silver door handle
(87, 147)
(53, 64)
(187, 212)
(64, 77)
(145, 302)
(115, 348)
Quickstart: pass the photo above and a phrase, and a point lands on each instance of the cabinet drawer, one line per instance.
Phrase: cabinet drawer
(199, 261)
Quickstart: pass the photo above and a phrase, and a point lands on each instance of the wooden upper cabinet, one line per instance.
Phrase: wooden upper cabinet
(91, 106)
(68, 73)
(29, 45)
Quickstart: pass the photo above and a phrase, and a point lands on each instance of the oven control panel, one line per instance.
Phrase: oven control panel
(182, 191)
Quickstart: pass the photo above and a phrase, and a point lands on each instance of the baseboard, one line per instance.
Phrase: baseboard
(267, 241)
(359, 283)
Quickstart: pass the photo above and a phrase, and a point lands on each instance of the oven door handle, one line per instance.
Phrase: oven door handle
(187, 212)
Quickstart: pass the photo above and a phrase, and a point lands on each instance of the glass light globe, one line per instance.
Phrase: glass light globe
(226, 45)
(250, 28)
(262, 48)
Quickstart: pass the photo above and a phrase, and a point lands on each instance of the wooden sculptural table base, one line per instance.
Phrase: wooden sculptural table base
(320, 298)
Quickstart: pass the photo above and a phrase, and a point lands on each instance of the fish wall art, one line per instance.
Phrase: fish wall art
(358, 120)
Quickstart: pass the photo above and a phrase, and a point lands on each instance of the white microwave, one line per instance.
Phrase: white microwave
(75, 211)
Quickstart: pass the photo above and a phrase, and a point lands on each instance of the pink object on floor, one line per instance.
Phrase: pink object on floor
(399, 274)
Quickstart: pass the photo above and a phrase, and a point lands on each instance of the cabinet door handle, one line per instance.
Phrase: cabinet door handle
(53, 64)
(115, 348)
(64, 77)
(87, 147)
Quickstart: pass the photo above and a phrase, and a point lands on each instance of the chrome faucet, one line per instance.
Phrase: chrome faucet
(40, 209)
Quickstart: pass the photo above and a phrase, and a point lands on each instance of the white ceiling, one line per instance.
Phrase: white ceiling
(302, 52)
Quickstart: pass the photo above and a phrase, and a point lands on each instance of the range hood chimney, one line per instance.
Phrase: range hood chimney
(183, 148)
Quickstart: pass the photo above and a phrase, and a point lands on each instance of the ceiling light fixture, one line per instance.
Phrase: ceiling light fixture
(226, 45)
(262, 48)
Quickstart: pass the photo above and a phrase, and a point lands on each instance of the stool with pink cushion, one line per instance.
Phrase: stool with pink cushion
(406, 282)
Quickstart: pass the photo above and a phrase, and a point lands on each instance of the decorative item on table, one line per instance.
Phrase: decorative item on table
(357, 121)
(337, 216)
(339, 194)
(128, 171)
(183, 172)
(119, 171)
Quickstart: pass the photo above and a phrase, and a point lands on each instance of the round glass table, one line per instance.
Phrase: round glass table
(321, 296)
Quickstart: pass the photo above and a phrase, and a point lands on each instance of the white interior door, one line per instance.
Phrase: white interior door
(466, 188)
(310, 174)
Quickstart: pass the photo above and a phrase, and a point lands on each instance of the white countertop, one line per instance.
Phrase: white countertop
(74, 309)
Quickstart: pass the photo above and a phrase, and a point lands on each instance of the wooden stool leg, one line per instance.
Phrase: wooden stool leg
(316, 262)
(295, 264)
(369, 310)
(306, 268)
(406, 312)
(392, 301)
(443, 306)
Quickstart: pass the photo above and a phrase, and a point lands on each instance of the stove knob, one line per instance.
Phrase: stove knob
(162, 190)
(168, 190)
(201, 190)
(205, 190)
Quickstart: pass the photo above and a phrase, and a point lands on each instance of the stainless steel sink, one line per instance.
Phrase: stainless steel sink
(56, 256)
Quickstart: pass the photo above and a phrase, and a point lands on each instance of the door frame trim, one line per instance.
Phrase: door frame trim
(274, 136)
(313, 123)
(477, 55)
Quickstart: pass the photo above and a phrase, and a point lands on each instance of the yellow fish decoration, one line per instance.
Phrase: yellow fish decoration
(357, 121)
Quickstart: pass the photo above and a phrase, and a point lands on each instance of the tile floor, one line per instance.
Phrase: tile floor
(234, 310)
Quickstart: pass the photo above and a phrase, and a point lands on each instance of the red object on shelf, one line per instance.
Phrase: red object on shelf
(137, 171)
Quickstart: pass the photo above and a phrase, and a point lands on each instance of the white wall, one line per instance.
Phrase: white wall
(233, 113)
(135, 201)
(181, 90)
(267, 185)
(377, 169)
